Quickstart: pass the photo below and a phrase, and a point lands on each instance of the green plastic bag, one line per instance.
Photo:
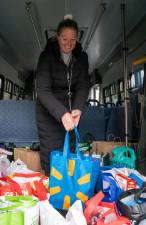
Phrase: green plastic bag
(19, 210)
(12, 218)
(123, 156)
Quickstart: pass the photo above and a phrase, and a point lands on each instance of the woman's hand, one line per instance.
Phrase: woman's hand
(68, 121)
(76, 114)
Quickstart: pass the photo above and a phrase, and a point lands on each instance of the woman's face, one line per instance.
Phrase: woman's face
(67, 40)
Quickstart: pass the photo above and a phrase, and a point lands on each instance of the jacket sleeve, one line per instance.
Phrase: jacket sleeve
(44, 88)
(82, 87)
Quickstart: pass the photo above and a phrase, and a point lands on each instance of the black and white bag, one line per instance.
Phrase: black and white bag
(132, 204)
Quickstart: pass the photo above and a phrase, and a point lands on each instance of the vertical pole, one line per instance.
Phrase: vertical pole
(125, 70)
(34, 86)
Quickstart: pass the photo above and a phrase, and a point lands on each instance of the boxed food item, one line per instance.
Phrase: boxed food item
(125, 182)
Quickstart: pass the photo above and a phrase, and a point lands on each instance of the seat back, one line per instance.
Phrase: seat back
(18, 122)
(92, 122)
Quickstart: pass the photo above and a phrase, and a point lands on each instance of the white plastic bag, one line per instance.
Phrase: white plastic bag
(49, 215)
(19, 167)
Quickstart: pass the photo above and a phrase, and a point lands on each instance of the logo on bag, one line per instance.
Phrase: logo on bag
(81, 181)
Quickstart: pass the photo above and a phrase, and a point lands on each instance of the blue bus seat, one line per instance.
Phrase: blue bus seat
(92, 122)
(18, 122)
(116, 123)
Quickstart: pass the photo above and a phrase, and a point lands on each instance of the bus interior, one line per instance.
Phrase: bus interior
(112, 32)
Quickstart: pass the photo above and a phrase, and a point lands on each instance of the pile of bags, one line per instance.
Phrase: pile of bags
(89, 192)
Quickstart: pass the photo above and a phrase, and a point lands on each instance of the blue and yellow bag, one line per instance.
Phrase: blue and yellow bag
(73, 176)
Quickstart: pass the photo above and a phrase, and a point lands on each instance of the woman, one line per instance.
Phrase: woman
(62, 88)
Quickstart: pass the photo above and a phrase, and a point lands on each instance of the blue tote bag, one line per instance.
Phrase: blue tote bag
(73, 176)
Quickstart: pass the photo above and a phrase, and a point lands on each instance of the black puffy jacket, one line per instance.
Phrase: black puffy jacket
(52, 85)
(52, 95)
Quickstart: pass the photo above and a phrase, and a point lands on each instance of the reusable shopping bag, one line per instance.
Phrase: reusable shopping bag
(110, 187)
(19, 210)
(124, 156)
(73, 176)
(132, 203)
(107, 183)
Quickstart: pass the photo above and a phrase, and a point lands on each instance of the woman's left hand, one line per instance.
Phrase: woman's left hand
(76, 114)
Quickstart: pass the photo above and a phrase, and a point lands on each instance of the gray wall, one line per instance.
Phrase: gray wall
(9, 72)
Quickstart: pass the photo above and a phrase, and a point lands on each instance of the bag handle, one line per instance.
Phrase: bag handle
(118, 139)
(112, 189)
(127, 193)
(15, 186)
(77, 143)
(18, 202)
(135, 192)
(10, 207)
(25, 201)
(111, 137)
(129, 152)
(66, 147)
(124, 151)
(138, 194)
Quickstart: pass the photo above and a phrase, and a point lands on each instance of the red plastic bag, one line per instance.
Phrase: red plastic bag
(89, 210)
(24, 184)
(12, 188)
(111, 216)
(120, 221)
(39, 183)
(100, 213)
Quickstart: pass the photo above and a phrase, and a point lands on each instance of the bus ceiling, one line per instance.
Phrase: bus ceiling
(25, 26)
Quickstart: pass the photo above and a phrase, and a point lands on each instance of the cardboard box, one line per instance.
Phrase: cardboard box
(29, 157)
(102, 147)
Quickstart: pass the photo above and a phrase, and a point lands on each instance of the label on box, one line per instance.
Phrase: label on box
(125, 182)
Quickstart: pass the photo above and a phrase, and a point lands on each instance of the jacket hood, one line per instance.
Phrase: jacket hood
(53, 46)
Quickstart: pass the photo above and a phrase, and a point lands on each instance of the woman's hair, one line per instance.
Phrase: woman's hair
(67, 23)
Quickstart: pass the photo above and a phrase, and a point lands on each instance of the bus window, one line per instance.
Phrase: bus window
(137, 74)
(2, 80)
(142, 76)
(94, 93)
(132, 81)
(106, 93)
(114, 92)
(129, 83)
(137, 79)
(21, 93)
(8, 89)
(121, 90)
(121, 86)
(15, 92)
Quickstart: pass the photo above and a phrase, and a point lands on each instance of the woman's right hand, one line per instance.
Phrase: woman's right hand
(67, 121)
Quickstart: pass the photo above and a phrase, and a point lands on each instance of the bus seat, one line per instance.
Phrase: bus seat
(116, 123)
(18, 122)
(92, 122)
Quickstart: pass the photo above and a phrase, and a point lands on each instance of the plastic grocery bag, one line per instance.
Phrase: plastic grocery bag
(50, 216)
(97, 212)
